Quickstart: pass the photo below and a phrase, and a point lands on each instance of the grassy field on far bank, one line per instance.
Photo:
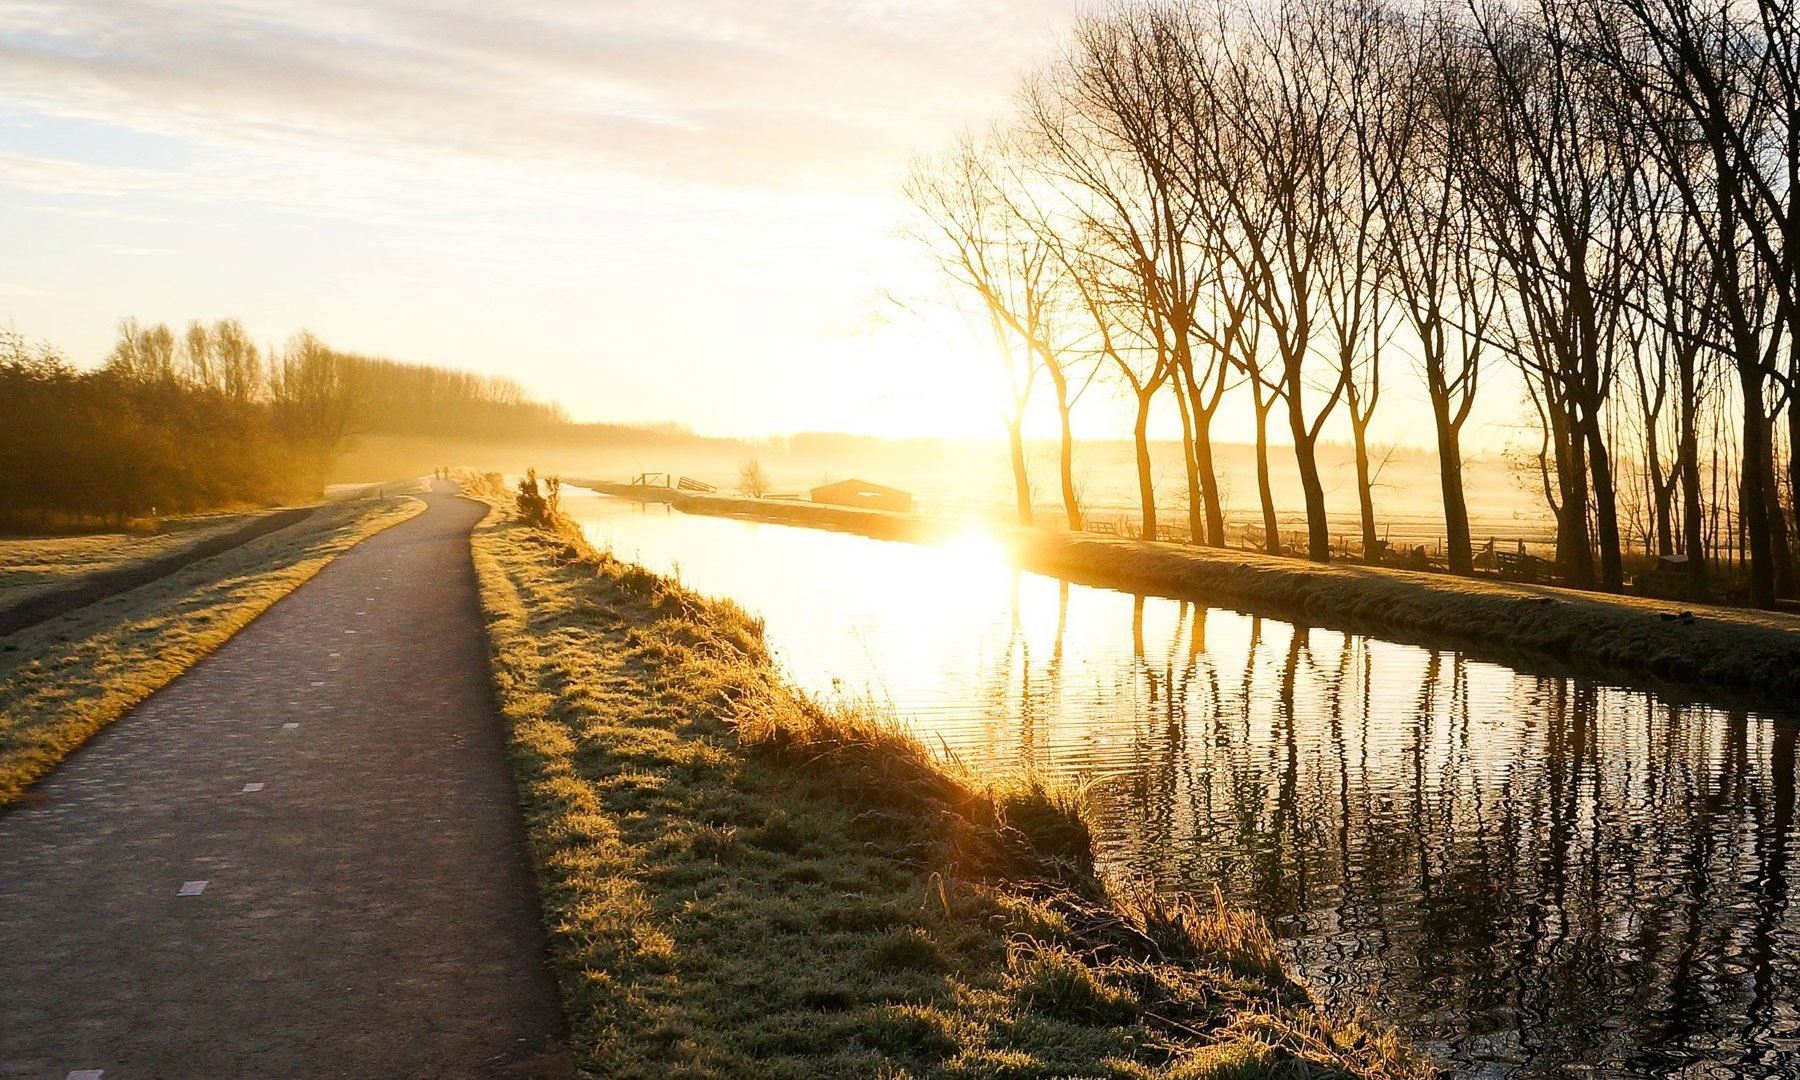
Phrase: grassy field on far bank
(739, 883)
(31, 565)
(64, 679)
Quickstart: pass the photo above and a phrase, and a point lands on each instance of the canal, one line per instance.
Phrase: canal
(1532, 875)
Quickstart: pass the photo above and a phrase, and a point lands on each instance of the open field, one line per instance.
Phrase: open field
(738, 882)
(63, 679)
(33, 565)
(1695, 647)
(971, 476)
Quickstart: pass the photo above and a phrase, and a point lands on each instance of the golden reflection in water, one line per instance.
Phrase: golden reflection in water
(1541, 872)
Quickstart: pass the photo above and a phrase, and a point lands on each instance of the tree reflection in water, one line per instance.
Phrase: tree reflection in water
(1540, 872)
(1581, 874)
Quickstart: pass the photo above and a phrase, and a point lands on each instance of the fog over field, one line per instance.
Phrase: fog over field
(955, 476)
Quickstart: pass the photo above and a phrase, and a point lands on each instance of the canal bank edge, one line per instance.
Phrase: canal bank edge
(737, 881)
(1693, 648)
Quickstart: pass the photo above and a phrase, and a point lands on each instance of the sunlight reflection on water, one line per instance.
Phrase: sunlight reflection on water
(1528, 872)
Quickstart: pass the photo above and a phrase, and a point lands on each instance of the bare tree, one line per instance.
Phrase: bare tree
(1718, 89)
(1435, 269)
(752, 480)
(1126, 248)
(982, 246)
(1555, 190)
(237, 365)
(143, 354)
(1282, 139)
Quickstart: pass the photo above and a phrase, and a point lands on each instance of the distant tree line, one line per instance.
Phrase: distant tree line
(1283, 207)
(204, 419)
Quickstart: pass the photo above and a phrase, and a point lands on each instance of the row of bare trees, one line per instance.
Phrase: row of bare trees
(1288, 206)
(206, 419)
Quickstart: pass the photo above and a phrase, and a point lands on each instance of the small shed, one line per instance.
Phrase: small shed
(864, 494)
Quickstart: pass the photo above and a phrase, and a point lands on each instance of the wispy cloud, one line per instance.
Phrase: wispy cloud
(556, 183)
(717, 91)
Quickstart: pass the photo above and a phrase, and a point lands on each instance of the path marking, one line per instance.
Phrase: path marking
(86, 1074)
(253, 787)
(192, 888)
(321, 682)
(290, 725)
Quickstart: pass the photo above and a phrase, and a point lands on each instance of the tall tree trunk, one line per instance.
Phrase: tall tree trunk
(1015, 438)
(1211, 502)
(1687, 466)
(1209, 487)
(1573, 552)
(1365, 498)
(1065, 458)
(1780, 555)
(1793, 427)
(1753, 500)
(1612, 563)
(1188, 459)
(1450, 481)
(1140, 436)
(1318, 532)
(1665, 516)
(1662, 494)
(1264, 490)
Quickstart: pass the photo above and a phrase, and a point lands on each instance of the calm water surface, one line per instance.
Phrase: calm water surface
(1534, 875)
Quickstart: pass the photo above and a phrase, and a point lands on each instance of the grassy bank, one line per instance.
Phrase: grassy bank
(64, 679)
(1693, 647)
(740, 883)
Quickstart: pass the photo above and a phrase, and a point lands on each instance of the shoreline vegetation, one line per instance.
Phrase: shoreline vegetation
(1693, 647)
(64, 679)
(740, 881)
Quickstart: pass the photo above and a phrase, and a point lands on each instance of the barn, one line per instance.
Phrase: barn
(863, 494)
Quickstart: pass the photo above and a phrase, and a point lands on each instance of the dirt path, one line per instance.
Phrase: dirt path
(301, 859)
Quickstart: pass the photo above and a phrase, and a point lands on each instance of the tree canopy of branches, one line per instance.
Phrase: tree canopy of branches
(1291, 204)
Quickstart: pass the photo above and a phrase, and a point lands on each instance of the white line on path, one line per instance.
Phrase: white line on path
(290, 725)
(86, 1074)
(253, 787)
(192, 888)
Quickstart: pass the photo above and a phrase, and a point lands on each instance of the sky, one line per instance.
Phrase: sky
(647, 210)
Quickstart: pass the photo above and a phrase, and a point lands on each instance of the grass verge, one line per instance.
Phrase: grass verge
(64, 679)
(32, 565)
(738, 882)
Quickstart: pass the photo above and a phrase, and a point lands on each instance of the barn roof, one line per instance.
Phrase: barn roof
(858, 485)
